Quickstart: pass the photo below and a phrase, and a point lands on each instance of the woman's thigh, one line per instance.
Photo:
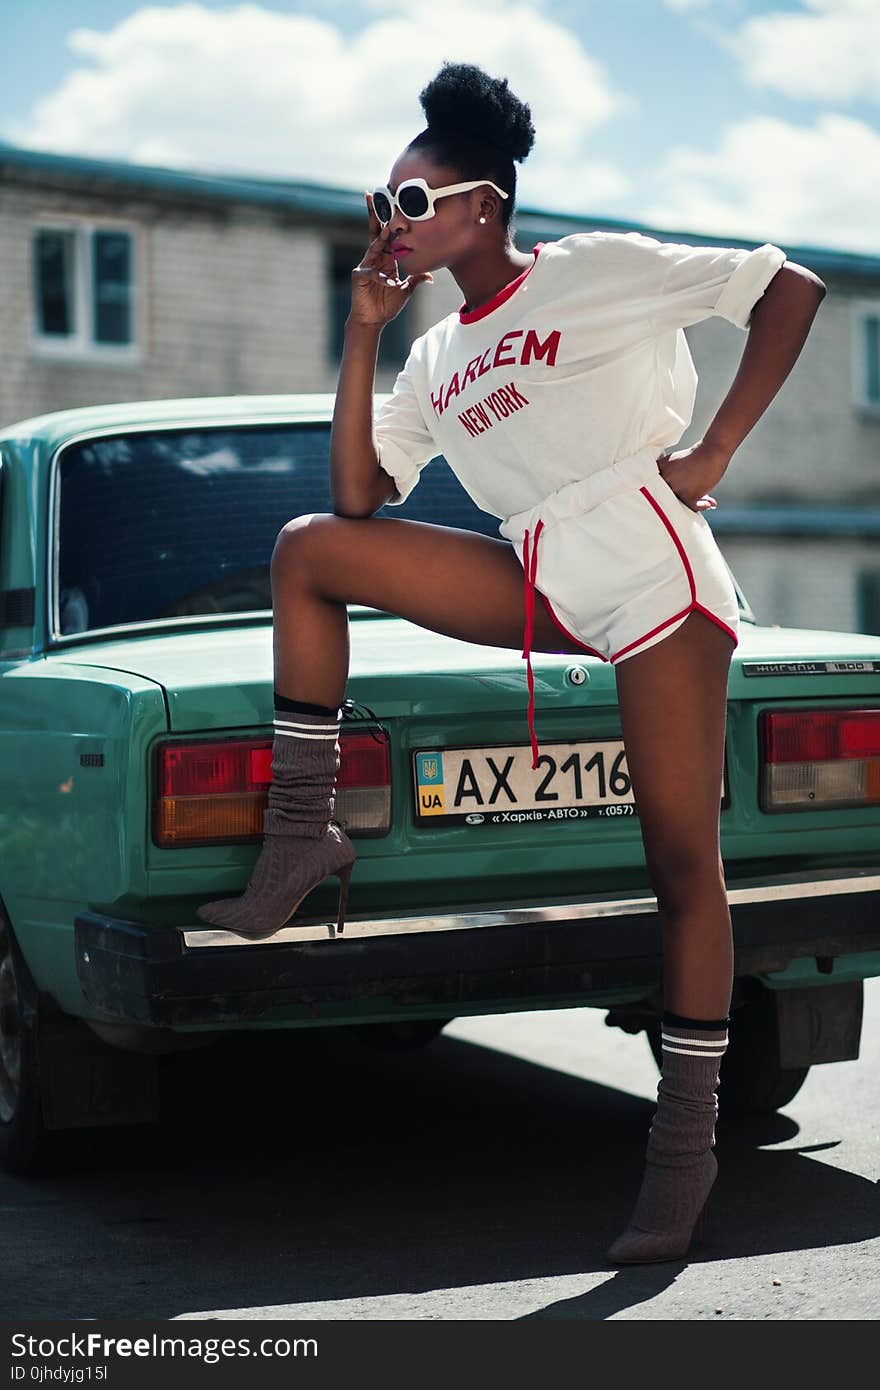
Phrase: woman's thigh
(451, 581)
(673, 707)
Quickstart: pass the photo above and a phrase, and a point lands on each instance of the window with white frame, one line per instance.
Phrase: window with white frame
(84, 289)
(866, 353)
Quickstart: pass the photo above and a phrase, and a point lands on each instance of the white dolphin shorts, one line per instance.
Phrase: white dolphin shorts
(620, 562)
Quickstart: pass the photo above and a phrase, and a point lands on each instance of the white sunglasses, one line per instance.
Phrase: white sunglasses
(416, 200)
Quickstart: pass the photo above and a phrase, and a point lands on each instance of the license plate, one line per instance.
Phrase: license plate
(498, 786)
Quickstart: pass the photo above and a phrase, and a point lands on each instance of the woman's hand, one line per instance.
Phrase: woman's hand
(691, 472)
(377, 294)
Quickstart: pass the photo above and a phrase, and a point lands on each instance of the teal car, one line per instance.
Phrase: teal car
(135, 743)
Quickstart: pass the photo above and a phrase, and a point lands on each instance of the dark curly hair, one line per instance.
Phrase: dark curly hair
(476, 124)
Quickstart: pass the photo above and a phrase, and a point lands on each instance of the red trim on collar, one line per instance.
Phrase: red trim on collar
(502, 295)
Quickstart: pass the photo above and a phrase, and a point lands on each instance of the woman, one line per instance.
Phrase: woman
(551, 393)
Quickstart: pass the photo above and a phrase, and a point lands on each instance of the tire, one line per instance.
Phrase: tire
(24, 1143)
(752, 1081)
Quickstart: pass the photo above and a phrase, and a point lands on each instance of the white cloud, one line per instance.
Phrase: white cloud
(256, 90)
(830, 54)
(770, 180)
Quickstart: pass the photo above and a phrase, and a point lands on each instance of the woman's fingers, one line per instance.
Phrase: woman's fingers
(375, 224)
(385, 300)
(409, 283)
(371, 272)
(379, 253)
(378, 248)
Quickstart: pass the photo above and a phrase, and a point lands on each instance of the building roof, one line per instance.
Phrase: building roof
(318, 200)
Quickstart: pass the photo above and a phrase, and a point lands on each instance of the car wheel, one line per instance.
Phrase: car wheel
(23, 1140)
(752, 1081)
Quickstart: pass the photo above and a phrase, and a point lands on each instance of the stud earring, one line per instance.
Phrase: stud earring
(482, 219)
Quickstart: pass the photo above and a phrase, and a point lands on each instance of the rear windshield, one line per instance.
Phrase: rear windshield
(170, 523)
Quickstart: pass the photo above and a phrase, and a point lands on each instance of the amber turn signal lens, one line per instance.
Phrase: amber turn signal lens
(185, 820)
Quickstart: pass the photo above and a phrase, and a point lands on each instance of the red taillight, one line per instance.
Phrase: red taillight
(214, 791)
(820, 734)
(232, 766)
(364, 761)
(821, 757)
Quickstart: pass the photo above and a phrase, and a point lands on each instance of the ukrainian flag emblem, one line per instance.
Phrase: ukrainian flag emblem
(429, 784)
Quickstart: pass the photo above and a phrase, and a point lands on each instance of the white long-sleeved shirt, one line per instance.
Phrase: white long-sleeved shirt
(577, 363)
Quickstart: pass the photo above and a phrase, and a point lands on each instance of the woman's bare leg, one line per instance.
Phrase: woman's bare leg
(673, 706)
(673, 703)
(451, 581)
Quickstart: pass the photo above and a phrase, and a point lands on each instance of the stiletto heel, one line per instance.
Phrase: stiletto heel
(344, 875)
(640, 1244)
(680, 1167)
(335, 845)
(303, 844)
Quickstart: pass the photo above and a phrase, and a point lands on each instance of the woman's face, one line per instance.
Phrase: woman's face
(452, 234)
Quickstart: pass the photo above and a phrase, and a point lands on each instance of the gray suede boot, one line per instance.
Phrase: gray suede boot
(680, 1166)
(302, 844)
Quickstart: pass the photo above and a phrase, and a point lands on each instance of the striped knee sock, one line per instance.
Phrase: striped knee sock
(680, 1166)
(301, 842)
(687, 1101)
(305, 762)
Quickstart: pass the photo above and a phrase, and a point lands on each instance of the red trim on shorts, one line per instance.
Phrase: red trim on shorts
(530, 572)
(570, 635)
(707, 612)
(654, 630)
(681, 550)
(693, 606)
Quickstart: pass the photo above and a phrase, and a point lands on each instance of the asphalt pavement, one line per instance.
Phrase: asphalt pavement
(483, 1177)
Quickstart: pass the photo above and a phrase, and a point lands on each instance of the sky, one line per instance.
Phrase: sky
(754, 119)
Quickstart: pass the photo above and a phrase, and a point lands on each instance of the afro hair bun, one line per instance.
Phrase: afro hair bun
(465, 100)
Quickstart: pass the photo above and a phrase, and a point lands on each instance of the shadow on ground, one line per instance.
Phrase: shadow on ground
(312, 1168)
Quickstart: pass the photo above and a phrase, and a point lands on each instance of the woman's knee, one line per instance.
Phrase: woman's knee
(683, 874)
(299, 540)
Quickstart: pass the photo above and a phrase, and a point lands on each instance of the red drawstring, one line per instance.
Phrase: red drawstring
(530, 570)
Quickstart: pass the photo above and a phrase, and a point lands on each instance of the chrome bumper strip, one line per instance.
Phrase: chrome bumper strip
(780, 888)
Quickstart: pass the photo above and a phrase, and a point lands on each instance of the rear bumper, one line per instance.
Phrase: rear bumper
(542, 955)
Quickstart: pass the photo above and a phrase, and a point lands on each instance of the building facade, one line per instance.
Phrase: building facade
(122, 282)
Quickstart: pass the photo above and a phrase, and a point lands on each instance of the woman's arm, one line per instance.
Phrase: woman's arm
(778, 328)
(359, 485)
